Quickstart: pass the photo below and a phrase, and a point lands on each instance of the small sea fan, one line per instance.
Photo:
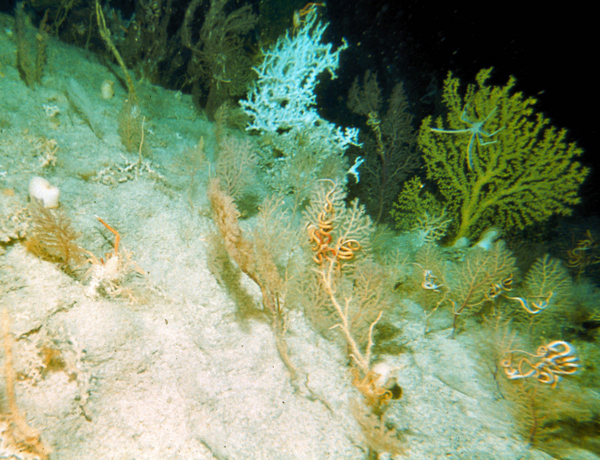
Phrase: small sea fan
(51, 237)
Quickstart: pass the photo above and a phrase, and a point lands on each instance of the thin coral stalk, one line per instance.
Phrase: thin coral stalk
(363, 360)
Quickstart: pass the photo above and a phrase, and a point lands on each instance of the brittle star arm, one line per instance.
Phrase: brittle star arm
(476, 130)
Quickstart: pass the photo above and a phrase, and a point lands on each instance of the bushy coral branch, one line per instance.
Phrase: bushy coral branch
(256, 261)
(338, 232)
(219, 59)
(390, 151)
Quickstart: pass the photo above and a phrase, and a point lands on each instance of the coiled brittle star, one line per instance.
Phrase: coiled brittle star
(555, 358)
(476, 130)
(320, 236)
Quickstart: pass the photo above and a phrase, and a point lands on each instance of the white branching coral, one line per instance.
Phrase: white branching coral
(284, 97)
(298, 146)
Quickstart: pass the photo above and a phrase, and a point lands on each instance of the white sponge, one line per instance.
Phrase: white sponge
(41, 190)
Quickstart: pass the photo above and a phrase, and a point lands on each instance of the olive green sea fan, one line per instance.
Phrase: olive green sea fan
(496, 161)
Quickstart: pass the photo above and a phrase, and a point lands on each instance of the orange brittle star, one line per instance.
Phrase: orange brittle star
(556, 358)
(320, 236)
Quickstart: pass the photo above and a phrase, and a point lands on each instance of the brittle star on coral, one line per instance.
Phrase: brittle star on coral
(555, 359)
(476, 130)
(320, 236)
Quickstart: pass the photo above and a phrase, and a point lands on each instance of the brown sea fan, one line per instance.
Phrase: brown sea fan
(52, 237)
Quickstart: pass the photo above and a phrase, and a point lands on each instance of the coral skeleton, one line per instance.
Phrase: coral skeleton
(107, 276)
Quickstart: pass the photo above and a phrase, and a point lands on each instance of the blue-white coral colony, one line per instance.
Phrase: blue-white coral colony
(283, 97)
(354, 169)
